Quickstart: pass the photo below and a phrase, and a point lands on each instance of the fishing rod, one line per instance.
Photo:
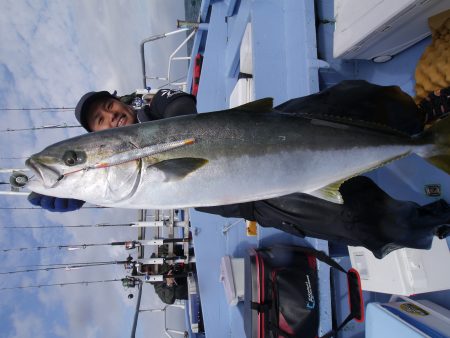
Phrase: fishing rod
(127, 282)
(38, 208)
(67, 266)
(14, 158)
(53, 126)
(60, 247)
(75, 266)
(129, 245)
(72, 264)
(132, 224)
(129, 263)
(39, 108)
(64, 226)
(62, 284)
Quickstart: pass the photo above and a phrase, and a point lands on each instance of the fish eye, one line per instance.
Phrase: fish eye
(72, 158)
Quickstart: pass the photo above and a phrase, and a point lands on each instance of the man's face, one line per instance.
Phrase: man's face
(106, 113)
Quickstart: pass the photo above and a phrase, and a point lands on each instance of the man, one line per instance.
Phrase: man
(172, 288)
(369, 217)
(101, 110)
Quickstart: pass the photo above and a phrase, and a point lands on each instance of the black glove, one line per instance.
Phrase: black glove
(54, 204)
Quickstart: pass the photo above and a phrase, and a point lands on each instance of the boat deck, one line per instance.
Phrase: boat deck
(286, 43)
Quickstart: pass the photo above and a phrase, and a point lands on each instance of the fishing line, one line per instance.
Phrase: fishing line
(37, 208)
(58, 126)
(60, 247)
(61, 284)
(14, 158)
(42, 108)
(66, 226)
(129, 245)
(67, 267)
(84, 264)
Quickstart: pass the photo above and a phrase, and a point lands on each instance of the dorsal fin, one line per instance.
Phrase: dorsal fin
(259, 106)
(348, 121)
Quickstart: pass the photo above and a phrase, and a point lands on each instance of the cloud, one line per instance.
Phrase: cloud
(26, 325)
(52, 53)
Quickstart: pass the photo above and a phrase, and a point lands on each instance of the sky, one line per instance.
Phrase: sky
(52, 52)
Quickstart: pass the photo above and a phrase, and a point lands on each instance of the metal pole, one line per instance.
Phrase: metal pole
(17, 193)
(10, 170)
(136, 313)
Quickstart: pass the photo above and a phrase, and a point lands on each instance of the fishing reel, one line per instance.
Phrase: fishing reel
(130, 282)
(18, 180)
(129, 245)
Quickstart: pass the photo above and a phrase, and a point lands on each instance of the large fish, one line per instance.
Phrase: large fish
(243, 154)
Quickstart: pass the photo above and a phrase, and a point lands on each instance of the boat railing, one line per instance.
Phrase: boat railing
(161, 224)
(167, 79)
(167, 331)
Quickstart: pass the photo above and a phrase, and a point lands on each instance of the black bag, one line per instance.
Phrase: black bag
(281, 292)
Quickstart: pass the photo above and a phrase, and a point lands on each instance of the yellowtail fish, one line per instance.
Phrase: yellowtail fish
(243, 154)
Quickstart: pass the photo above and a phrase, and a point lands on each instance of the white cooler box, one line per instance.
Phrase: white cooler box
(404, 271)
(407, 318)
(379, 29)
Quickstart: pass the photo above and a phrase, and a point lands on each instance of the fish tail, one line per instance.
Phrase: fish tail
(439, 133)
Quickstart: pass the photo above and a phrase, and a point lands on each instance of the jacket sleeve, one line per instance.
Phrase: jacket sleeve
(170, 103)
(165, 293)
(239, 210)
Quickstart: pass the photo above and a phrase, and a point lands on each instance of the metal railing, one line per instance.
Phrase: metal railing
(171, 58)
(184, 26)
(157, 220)
(168, 332)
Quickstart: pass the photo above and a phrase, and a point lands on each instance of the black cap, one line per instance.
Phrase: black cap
(83, 105)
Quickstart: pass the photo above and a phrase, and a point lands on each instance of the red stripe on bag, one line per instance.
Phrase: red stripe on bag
(312, 262)
(283, 325)
(260, 272)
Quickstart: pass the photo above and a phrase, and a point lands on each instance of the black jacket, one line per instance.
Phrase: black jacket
(168, 294)
(369, 217)
(168, 103)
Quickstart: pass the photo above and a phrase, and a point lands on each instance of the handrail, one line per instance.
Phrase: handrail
(172, 58)
(151, 39)
(160, 215)
(167, 331)
(195, 27)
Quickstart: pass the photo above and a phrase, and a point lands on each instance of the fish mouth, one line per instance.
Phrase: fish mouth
(47, 175)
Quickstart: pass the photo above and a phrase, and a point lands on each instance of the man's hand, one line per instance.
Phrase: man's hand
(54, 204)
(170, 281)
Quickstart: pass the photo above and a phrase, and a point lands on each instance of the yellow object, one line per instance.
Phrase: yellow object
(252, 228)
(433, 68)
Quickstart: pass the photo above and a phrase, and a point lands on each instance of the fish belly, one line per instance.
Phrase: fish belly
(247, 178)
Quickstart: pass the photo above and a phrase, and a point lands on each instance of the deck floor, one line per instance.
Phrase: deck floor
(286, 65)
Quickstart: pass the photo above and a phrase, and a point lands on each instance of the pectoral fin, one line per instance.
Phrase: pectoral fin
(329, 193)
(175, 169)
(259, 106)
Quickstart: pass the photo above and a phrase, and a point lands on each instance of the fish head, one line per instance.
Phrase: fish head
(69, 169)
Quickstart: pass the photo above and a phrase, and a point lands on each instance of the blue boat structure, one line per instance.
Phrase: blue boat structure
(249, 49)
(244, 50)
